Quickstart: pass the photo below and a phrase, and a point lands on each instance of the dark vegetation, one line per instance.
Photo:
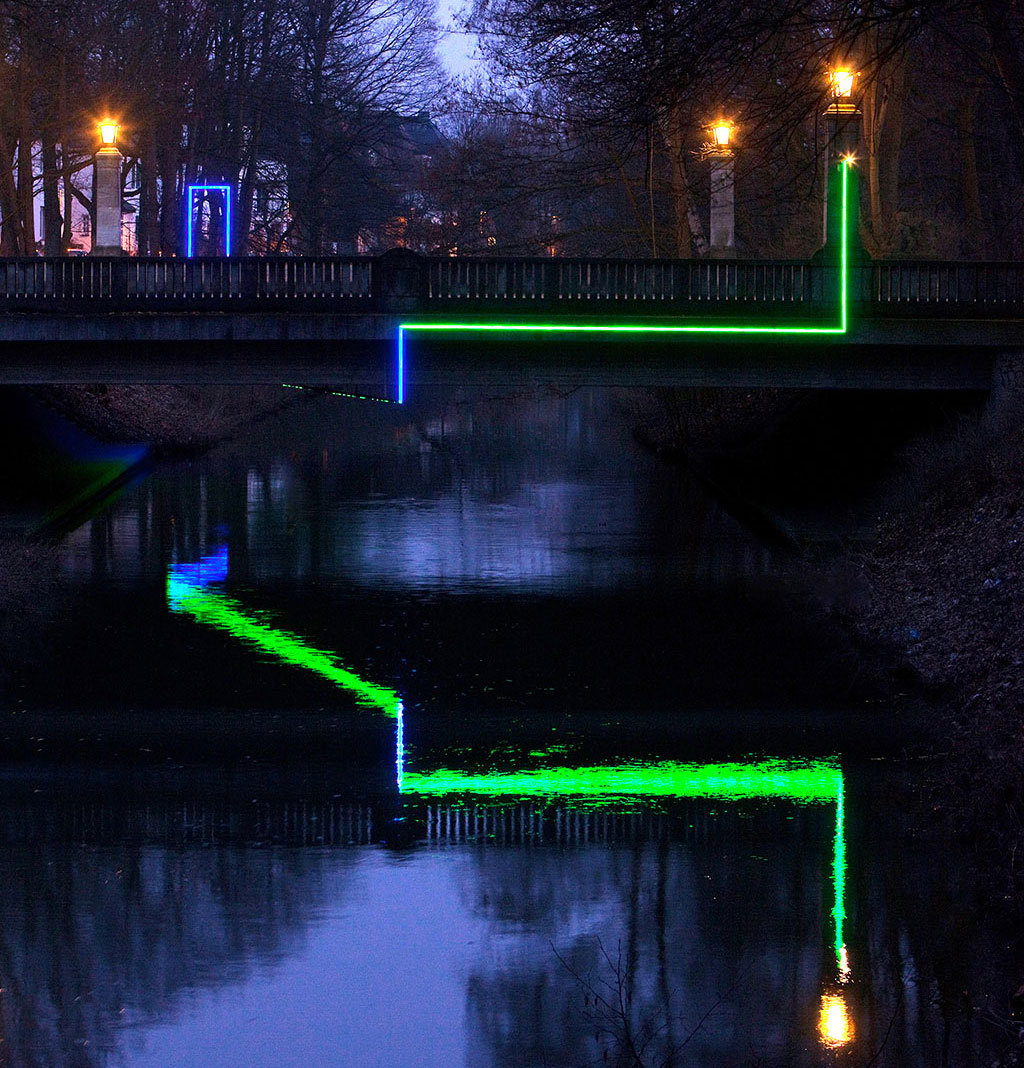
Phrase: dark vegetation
(799, 468)
(49, 492)
(946, 582)
(172, 420)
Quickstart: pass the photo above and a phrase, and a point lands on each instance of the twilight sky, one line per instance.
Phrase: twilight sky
(456, 48)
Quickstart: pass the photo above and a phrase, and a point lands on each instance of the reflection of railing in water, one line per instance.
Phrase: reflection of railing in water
(341, 823)
(566, 824)
(526, 822)
(288, 823)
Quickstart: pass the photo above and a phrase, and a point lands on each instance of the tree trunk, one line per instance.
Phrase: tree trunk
(147, 233)
(688, 231)
(11, 243)
(976, 240)
(67, 170)
(52, 220)
(26, 179)
(243, 214)
(168, 154)
(883, 112)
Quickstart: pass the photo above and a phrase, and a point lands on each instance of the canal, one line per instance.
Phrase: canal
(469, 734)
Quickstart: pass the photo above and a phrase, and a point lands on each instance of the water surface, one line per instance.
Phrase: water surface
(468, 734)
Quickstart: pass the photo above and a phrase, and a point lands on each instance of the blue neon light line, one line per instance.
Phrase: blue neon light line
(636, 328)
(192, 190)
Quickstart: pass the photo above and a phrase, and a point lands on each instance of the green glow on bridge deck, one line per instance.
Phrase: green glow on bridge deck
(760, 330)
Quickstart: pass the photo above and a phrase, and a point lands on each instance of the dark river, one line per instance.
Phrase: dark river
(463, 734)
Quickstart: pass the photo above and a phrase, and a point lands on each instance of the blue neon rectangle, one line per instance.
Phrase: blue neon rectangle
(189, 236)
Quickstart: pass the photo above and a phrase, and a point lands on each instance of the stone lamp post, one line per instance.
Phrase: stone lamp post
(842, 118)
(723, 191)
(106, 238)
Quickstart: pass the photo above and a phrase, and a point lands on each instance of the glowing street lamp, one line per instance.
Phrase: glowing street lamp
(841, 83)
(107, 192)
(842, 118)
(108, 133)
(721, 132)
(842, 113)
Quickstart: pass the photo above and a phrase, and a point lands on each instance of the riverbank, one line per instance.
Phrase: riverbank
(945, 591)
(928, 578)
(172, 420)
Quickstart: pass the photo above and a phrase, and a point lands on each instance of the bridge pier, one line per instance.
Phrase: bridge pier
(107, 193)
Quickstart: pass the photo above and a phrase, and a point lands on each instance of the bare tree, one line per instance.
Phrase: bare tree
(353, 63)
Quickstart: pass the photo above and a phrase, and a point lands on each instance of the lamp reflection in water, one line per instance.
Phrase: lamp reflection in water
(835, 1028)
(799, 781)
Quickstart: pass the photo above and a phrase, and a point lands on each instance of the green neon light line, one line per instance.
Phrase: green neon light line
(638, 328)
(219, 611)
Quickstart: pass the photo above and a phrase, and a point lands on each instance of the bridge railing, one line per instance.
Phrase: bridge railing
(410, 284)
(137, 281)
(988, 288)
(611, 281)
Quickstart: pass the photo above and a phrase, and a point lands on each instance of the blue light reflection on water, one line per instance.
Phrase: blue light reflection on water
(546, 536)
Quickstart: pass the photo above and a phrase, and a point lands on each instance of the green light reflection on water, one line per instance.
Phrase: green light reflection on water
(799, 781)
(793, 780)
(218, 610)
